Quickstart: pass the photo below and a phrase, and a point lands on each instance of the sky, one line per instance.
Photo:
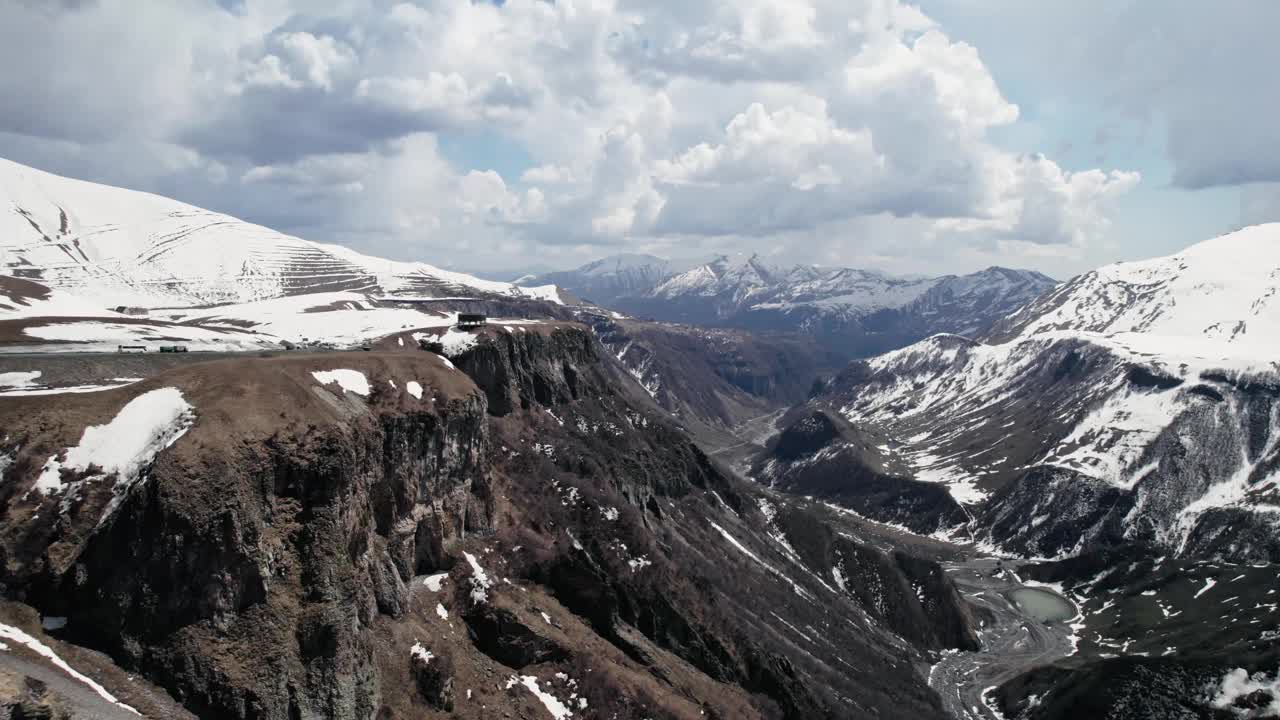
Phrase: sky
(525, 135)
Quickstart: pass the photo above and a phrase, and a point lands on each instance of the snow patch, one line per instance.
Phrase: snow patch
(743, 549)
(414, 388)
(1208, 583)
(1239, 683)
(549, 701)
(350, 380)
(421, 653)
(455, 342)
(67, 389)
(146, 425)
(20, 379)
(480, 582)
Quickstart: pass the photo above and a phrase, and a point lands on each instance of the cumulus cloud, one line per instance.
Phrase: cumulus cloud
(295, 60)
(760, 123)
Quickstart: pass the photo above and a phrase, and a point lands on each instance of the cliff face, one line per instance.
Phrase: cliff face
(245, 570)
(538, 365)
(397, 535)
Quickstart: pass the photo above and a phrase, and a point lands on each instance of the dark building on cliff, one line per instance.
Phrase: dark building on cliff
(467, 321)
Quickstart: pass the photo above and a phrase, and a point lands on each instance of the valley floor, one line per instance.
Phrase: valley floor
(1013, 641)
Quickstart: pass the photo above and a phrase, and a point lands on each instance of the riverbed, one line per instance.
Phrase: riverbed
(1028, 631)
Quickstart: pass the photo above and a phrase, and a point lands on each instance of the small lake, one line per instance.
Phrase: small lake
(1043, 605)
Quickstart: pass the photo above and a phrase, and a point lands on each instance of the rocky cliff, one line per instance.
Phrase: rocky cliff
(261, 542)
(512, 528)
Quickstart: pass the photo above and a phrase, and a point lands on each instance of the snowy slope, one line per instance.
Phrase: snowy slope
(1219, 298)
(1152, 388)
(122, 247)
(752, 283)
(853, 312)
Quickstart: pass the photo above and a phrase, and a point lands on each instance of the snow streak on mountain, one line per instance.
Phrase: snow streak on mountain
(121, 247)
(1140, 401)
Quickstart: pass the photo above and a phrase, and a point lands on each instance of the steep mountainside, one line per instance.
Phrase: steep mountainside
(855, 313)
(121, 247)
(713, 380)
(509, 528)
(1137, 403)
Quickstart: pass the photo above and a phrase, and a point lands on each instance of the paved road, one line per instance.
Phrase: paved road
(1011, 645)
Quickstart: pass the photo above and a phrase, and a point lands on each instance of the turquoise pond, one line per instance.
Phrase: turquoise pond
(1043, 605)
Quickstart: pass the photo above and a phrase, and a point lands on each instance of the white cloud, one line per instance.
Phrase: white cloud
(1039, 203)
(436, 92)
(703, 123)
(296, 60)
(313, 170)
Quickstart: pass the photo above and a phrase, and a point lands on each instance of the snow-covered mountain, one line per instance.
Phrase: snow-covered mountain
(852, 311)
(1139, 402)
(606, 280)
(122, 247)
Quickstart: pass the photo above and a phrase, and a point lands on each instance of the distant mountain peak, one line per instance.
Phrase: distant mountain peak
(858, 311)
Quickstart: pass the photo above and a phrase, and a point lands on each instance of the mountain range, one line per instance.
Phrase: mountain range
(853, 312)
(1020, 499)
(1136, 403)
